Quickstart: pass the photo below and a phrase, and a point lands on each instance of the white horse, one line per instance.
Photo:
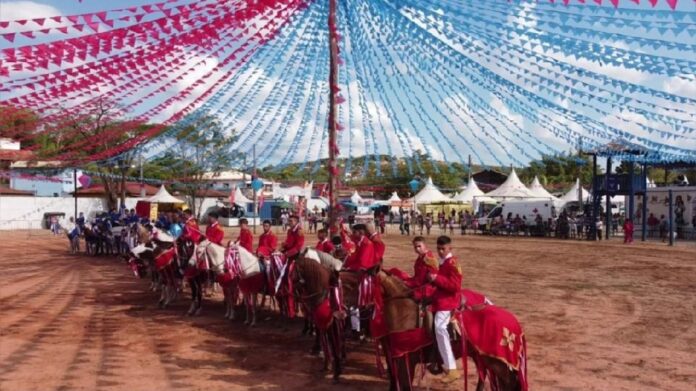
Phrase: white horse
(206, 256)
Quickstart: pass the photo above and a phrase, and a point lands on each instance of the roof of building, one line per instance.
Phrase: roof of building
(6, 191)
(132, 190)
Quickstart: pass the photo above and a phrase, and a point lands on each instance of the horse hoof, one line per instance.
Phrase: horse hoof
(198, 311)
(336, 380)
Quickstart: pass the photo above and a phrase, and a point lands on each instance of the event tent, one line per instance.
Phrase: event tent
(467, 195)
(572, 194)
(355, 198)
(539, 190)
(430, 194)
(512, 188)
(163, 197)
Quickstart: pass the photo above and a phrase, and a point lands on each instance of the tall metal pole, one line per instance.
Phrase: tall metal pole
(671, 218)
(595, 200)
(608, 200)
(253, 178)
(644, 223)
(632, 193)
(142, 183)
(333, 81)
(75, 191)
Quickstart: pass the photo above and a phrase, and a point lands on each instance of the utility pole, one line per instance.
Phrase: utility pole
(75, 191)
(333, 81)
(253, 178)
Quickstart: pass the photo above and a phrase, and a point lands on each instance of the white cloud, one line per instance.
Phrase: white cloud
(20, 10)
(678, 86)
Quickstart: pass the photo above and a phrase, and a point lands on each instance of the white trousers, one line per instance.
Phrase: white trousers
(355, 319)
(442, 319)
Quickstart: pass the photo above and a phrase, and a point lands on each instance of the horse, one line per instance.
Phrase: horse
(247, 273)
(314, 285)
(207, 256)
(401, 316)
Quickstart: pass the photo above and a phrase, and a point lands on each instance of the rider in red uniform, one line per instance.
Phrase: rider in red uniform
(377, 243)
(246, 238)
(191, 230)
(214, 232)
(364, 256)
(268, 242)
(294, 242)
(324, 244)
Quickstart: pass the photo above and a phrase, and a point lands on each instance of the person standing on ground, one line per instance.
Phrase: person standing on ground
(628, 231)
(599, 227)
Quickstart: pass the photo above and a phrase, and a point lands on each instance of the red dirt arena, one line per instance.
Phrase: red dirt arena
(597, 316)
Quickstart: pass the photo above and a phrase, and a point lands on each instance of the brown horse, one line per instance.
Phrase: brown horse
(314, 285)
(401, 313)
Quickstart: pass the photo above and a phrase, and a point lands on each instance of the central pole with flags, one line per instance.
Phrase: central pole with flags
(333, 81)
(253, 186)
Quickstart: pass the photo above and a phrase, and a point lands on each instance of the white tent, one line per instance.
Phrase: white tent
(163, 197)
(572, 194)
(430, 194)
(394, 197)
(539, 190)
(240, 199)
(355, 198)
(294, 191)
(467, 195)
(512, 188)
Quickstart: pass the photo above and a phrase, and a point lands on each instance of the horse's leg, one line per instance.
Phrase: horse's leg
(254, 305)
(163, 289)
(336, 351)
(194, 294)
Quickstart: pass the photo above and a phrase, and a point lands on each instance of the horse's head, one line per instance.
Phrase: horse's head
(143, 233)
(312, 279)
(162, 236)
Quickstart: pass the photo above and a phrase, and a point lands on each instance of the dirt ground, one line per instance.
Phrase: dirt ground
(598, 316)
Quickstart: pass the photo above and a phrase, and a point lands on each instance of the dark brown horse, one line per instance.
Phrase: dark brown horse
(401, 313)
(314, 285)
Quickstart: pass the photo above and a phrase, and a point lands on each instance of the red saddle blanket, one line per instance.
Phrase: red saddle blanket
(495, 332)
(163, 260)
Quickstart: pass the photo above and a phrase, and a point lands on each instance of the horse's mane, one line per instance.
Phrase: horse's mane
(392, 286)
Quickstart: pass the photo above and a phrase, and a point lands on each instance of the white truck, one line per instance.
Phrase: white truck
(527, 209)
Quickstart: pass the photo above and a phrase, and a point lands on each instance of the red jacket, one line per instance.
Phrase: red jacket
(378, 245)
(448, 283)
(325, 246)
(293, 242)
(214, 233)
(268, 242)
(424, 265)
(246, 239)
(191, 230)
(363, 258)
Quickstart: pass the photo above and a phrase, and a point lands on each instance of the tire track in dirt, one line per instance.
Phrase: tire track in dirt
(42, 307)
(32, 347)
(28, 292)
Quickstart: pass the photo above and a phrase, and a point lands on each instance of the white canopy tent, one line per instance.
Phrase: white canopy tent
(355, 198)
(572, 194)
(163, 197)
(539, 190)
(470, 191)
(294, 191)
(430, 194)
(240, 199)
(512, 188)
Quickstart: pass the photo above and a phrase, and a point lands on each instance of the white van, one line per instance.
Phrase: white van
(524, 208)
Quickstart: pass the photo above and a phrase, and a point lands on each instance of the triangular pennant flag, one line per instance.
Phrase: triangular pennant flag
(9, 36)
(39, 21)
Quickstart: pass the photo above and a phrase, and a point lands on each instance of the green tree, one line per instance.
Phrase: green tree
(201, 148)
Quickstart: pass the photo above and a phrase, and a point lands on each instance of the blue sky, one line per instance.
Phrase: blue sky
(406, 98)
